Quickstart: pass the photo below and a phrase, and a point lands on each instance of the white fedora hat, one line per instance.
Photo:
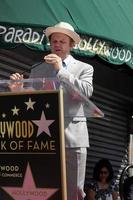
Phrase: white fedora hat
(65, 28)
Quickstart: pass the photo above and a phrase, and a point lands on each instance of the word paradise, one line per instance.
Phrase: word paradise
(15, 35)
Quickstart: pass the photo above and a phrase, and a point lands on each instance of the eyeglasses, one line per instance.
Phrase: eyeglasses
(103, 172)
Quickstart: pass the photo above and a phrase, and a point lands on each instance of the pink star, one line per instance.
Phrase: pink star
(29, 190)
(43, 125)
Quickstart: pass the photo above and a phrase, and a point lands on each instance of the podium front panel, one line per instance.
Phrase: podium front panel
(32, 150)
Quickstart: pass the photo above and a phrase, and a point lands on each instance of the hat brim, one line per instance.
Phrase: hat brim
(71, 34)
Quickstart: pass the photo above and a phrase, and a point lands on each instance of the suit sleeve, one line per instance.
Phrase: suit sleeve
(82, 80)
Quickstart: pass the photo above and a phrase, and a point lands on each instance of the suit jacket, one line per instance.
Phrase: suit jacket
(79, 75)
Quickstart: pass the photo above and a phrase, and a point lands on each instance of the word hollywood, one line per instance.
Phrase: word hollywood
(103, 48)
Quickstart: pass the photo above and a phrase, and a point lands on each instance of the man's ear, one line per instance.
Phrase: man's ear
(72, 44)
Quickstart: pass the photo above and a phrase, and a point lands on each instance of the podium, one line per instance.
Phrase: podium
(32, 145)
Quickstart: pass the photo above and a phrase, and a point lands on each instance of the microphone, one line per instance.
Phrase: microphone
(33, 66)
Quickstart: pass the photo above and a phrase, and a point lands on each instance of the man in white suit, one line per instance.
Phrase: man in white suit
(62, 38)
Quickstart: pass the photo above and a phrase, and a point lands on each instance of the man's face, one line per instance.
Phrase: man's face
(61, 44)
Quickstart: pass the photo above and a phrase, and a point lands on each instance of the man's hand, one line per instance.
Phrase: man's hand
(15, 86)
(55, 60)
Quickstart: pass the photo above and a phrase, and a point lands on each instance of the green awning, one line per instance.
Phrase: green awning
(105, 26)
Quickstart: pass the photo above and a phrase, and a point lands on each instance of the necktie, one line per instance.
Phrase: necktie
(64, 64)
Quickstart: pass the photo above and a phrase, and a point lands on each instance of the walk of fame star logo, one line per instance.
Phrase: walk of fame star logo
(29, 190)
(43, 125)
